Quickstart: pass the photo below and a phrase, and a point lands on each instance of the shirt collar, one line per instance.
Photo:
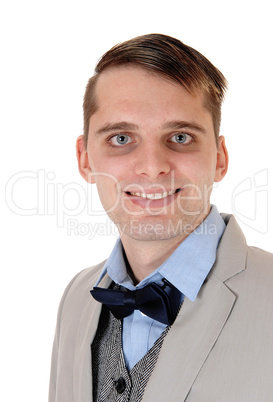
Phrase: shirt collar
(186, 268)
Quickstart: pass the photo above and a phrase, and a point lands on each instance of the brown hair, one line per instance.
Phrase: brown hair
(170, 58)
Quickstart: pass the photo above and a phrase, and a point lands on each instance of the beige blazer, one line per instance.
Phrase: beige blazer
(220, 348)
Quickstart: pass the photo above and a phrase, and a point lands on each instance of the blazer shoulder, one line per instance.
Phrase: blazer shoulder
(85, 278)
(78, 289)
(257, 277)
(259, 258)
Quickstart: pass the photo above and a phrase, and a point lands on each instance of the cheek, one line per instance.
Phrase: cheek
(107, 183)
(102, 174)
(102, 162)
(108, 190)
(197, 167)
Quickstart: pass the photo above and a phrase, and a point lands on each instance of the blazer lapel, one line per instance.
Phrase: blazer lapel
(198, 325)
(189, 343)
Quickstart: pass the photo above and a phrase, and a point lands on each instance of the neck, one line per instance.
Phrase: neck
(146, 256)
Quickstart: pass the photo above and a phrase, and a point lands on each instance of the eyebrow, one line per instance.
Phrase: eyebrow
(173, 125)
(180, 124)
(120, 126)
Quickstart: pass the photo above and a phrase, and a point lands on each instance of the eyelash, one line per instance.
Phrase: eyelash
(192, 138)
(169, 140)
(115, 136)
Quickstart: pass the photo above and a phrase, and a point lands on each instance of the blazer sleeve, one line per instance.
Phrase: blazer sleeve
(55, 350)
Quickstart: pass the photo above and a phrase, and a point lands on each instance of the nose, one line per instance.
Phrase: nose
(152, 161)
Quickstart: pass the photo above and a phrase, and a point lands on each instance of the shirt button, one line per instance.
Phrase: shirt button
(120, 385)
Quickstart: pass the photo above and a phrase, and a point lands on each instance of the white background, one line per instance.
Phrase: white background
(48, 52)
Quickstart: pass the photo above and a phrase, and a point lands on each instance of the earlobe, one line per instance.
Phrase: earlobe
(83, 161)
(222, 160)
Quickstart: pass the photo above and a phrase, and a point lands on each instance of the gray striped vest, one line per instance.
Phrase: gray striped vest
(111, 380)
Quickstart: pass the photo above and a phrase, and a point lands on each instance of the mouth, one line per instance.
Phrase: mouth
(154, 196)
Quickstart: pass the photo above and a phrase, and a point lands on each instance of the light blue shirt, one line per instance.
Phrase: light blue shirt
(186, 269)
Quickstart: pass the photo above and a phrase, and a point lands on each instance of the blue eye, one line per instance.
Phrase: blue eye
(122, 139)
(181, 138)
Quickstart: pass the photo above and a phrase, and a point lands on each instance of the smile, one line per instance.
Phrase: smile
(154, 196)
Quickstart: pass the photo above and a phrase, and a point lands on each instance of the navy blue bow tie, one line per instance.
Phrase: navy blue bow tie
(160, 302)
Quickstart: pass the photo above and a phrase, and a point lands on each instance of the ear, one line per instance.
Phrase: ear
(83, 161)
(222, 160)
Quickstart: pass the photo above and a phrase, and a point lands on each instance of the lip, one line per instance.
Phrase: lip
(152, 198)
(154, 195)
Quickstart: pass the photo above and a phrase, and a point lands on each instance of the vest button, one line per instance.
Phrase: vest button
(120, 385)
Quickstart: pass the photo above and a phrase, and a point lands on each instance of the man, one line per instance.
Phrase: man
(182, 309)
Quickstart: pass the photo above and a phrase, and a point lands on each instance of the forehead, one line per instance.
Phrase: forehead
(133, 71)
(147, 100)
(118, 84)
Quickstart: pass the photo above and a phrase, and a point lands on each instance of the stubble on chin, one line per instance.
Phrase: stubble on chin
(159, 228)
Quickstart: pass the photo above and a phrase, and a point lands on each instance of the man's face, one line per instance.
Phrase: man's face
(152, 154)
